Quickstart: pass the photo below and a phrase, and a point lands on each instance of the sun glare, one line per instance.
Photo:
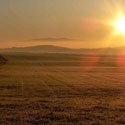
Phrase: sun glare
(120, 25)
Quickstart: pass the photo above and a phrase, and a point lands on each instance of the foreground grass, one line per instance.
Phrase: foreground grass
(57, 89)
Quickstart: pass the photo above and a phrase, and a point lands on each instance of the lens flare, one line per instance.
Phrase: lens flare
(89, 61)
(120, 60)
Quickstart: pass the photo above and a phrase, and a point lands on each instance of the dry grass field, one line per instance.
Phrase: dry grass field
(62, 89)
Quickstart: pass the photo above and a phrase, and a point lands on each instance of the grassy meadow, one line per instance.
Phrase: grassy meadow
(62, 89)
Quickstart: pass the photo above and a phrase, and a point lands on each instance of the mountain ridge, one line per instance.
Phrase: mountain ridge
(59, 49)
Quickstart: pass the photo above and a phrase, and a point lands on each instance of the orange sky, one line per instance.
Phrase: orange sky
(69, 23)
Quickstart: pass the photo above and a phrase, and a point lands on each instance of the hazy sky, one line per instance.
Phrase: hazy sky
(70, 23)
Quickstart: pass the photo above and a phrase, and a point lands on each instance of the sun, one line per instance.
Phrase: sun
(120, 25)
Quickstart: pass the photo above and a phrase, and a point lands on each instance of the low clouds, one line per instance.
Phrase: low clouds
(51, 39)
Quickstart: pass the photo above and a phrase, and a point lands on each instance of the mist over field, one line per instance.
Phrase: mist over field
(61, 89)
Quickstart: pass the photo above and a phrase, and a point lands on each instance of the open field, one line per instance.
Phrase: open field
(62, 89)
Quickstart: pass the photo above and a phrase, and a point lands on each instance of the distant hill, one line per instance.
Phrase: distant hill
(57, 49)
(39, 49)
